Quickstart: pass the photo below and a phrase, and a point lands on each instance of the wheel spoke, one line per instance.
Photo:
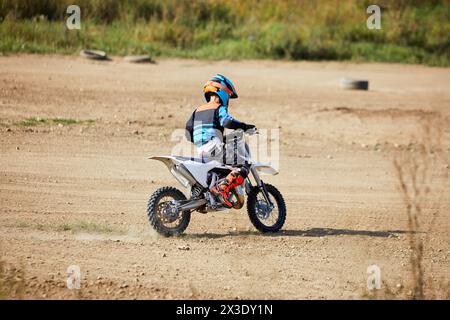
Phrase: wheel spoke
(162, 213)
(269, 219)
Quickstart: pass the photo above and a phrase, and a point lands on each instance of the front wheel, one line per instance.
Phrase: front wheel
(162, 212)
(264, 217)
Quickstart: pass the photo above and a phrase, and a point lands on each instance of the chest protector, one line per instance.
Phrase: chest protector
(204, 118)
(207, 116)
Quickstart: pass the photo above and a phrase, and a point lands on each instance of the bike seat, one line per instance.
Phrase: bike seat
(188, 159)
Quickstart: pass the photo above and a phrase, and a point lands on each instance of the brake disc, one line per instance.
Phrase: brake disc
(169, 212)
(262, 209)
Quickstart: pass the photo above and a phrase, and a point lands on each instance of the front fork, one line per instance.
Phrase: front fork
(260, 184)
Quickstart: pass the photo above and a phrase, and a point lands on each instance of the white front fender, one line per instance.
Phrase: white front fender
(265, 168)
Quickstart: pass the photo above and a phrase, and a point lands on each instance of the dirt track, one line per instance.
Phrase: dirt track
(76, 194)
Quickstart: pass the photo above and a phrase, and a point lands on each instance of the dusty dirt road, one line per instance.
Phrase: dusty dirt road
(76, 194)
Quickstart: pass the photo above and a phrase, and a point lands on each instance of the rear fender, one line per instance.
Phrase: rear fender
(175, 167)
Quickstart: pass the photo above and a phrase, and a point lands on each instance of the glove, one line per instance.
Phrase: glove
(248, 126)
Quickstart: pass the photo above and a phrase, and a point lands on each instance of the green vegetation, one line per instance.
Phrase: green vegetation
(32, 122)
(83, 226)
(74, 226)
(412, 31)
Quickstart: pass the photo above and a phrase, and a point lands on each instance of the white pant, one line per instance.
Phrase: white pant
(212, 150)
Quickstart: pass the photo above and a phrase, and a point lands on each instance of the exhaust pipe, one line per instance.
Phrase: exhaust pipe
(185, 172)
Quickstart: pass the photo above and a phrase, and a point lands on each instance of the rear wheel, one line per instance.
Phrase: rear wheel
(264, 217)
(162, 213)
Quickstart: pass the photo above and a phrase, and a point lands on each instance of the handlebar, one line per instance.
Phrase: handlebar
(239, 134)
(252, 131)
(249, 132)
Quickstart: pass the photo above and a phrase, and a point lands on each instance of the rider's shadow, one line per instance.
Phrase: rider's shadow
(313, 232)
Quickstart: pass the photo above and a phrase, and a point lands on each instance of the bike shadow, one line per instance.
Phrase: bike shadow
(313, 232)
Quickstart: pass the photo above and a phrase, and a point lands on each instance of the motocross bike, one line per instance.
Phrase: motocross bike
(169, 211)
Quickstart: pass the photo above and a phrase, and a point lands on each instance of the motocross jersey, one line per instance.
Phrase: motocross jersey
(208, 121)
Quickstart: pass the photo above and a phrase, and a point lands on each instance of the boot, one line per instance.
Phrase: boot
(223, 187)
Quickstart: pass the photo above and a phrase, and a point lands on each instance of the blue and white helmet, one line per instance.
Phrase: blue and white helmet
(221, 86)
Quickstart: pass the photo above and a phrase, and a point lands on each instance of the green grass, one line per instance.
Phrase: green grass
(412, 31)
(32, 122)
(88, 227)
(20, 225)
(73, 226)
